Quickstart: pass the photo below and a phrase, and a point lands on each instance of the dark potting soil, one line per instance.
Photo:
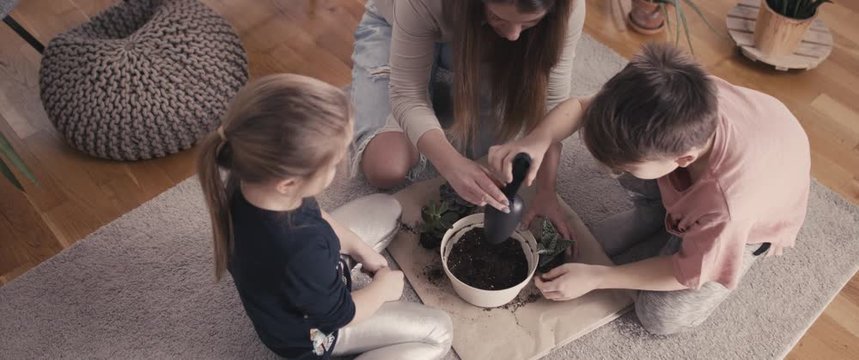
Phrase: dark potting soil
(520, 301)
(434, 273)
(485, 266)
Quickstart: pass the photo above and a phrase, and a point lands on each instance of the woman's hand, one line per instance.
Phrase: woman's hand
(474, 183)
(546, 204)
(501, 157)
(569, 281)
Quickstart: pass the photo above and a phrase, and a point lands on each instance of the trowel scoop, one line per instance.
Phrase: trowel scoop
(498, 226)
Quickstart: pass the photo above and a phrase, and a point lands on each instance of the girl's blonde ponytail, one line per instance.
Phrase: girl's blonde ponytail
(216, 195)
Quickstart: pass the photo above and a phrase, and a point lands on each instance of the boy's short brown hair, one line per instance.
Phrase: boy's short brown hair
(661, 104)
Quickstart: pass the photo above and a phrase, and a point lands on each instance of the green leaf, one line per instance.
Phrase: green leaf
(9, 152)
(550, 242)
(449, 218)
(442, 208)
(9, 175)
(425, 214)
(685, 27)
(545, 260)
(438, 232)
(425, 227)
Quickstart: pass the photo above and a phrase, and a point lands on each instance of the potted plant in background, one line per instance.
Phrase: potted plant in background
(782, 24)
(650, 17)
(8, 154)
(646, 17)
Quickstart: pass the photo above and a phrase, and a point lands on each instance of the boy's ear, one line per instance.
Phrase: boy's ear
(685, 160)
(288, 185)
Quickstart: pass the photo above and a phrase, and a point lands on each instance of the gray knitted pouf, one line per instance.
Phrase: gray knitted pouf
(143, 79)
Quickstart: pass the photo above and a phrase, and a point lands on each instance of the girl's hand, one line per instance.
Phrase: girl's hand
(474, 184)
(391, 282)
(569, 281)
(372, 262)
(546, 204)
(501, 157)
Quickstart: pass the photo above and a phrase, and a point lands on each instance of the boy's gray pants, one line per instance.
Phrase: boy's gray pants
(640, 233)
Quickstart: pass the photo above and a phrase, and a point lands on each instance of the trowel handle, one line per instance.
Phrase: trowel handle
(521, 164)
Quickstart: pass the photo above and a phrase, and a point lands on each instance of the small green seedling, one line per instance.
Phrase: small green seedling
(439, 216)
(550, 245)
(455, 203)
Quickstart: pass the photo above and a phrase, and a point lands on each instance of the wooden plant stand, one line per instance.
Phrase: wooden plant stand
(815, 47)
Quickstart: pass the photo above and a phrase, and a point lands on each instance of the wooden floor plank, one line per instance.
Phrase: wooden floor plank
(45, 19)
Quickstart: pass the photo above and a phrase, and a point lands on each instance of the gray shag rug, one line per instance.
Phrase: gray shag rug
(142, 287)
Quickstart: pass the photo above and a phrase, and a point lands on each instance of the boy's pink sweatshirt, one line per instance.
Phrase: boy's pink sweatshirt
(754, 191)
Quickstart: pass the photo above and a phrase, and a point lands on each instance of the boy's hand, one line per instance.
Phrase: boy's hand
(372, 262)
(546, 204)
(391, 281)
(568, 281)
(501, 157)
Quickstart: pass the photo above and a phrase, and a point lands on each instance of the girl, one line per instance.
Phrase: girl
(279, 144)
(511, 60)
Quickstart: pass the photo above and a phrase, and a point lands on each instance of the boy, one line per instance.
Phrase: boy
(732, 174)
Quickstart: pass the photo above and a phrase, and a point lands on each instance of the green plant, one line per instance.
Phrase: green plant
(550, 244)
(796, 9)
(436, 219)
(438, 216)
(680, 18)
(8, 153)
(455, 203)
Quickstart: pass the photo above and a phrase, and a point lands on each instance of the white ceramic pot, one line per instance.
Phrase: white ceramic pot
(480, 297)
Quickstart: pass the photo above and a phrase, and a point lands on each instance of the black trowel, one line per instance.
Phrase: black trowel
(497, 225)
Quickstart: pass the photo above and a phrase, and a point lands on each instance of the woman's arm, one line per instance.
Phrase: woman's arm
(559, 86)
(470, 180)
(413, 51)
(415, 33)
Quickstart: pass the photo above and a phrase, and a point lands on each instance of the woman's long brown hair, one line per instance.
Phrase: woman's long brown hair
(277, 127)
(519, 69)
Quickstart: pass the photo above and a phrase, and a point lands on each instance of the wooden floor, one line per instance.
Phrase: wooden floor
(78, 194)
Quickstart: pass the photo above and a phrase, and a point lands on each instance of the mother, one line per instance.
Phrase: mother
(511, 61)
